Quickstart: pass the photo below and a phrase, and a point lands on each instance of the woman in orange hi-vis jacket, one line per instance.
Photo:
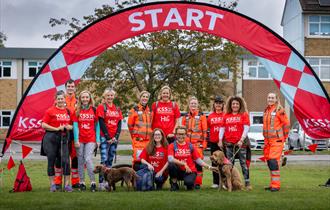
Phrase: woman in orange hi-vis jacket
(139, 125)
(196, 124)
(275, 130)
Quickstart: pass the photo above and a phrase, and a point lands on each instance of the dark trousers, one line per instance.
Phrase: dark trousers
(56, 148)
(214, 147)
(230, 151)
(176, 173)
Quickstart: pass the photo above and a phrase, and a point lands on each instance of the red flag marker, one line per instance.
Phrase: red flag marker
(288, 152)
(263, 159)
(312, 147)
(25, 151)
(10, 163)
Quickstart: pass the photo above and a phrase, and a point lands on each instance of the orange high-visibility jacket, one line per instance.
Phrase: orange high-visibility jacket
(139, 125)
(276, 124)
(71, 102)
(196, 125)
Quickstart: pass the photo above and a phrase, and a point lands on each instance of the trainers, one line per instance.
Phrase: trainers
(214, 186)
(267, 188)
(93, 187)
(174, 187)
(284, 161)
(248, 187)
(53, 188)
(68, 188)
(82, 187)
(76, 186)
(274, 189)
(197, 187)
(58, 187)
(102, 187)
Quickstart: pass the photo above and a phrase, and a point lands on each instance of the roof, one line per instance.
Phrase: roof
(315, 6)
(26, 53)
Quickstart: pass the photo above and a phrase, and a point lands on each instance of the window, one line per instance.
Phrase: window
(5, 118)
(319, 25)
(321, 67)
(5, 69)
(34, 67)
(255, 70)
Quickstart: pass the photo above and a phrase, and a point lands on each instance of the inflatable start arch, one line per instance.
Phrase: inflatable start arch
(290, 71)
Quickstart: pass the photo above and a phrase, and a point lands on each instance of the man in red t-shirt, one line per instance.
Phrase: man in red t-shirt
(182, 157)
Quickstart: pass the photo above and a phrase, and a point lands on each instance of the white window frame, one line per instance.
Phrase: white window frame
(246, 67)
(27, 67)
(256, 114)
(318, 35)
(12, 72)
(1, 117)
(319, 65)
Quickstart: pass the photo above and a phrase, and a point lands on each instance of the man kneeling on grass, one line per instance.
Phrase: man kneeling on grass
(181, 158)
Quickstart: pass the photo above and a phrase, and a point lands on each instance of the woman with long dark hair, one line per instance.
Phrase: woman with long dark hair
(233, 134)
(155, 157)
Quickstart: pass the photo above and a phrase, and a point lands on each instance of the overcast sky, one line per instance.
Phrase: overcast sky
(25, 21)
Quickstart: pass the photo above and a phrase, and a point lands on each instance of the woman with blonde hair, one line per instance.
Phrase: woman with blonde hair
(86, 131)
(155, 157)
(233, 134)
(196, 123)
(275, 130)
(165, 113)
(110, 117)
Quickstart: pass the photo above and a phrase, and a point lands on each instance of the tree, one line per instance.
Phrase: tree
(191, 63)
(3, 38)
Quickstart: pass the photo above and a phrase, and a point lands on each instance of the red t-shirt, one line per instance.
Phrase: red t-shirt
(111, 118)
(56, 117)
(214, 122)
(165, 116)
(86, 124)
(234, 126)
(184, 154)
(158, 160)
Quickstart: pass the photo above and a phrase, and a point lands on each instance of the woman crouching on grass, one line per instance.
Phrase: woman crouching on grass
(86, 131)
(57, 122)
(155, 157)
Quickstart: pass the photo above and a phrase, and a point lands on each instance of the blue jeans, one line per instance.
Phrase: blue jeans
(108, 152)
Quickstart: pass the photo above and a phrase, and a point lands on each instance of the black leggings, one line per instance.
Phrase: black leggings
(214, 147)
(52, 146)
(176, 173)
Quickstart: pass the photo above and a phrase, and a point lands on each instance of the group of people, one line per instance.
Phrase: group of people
(163, 141)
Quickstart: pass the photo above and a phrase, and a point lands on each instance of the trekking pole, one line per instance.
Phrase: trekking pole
(61, 139)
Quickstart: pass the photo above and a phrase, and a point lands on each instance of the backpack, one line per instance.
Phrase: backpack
(145, 182)
(22, 182)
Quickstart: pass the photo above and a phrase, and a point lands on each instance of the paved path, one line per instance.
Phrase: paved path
(294, 159)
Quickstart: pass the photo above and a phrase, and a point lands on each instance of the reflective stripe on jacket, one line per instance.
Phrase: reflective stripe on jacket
(196, 125)
(276, 124)
(139, 123)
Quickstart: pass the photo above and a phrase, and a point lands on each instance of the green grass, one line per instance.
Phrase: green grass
(300, 190)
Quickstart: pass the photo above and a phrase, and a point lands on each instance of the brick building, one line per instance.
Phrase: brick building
(18, 66)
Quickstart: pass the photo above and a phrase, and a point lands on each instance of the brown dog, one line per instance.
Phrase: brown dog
(114, 175)
(228, 172)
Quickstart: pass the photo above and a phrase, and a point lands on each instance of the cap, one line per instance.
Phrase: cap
(218, 99)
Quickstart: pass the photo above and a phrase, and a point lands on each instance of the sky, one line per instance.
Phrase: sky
(26, 21)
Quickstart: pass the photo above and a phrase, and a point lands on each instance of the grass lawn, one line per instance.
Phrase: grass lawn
(300, 190)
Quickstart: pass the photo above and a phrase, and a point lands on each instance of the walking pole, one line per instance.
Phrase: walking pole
(62, 160)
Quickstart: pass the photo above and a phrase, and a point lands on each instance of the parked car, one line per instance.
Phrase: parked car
(256, 137)
(298, 139)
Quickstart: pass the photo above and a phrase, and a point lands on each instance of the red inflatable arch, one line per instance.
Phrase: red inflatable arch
(290, 71)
